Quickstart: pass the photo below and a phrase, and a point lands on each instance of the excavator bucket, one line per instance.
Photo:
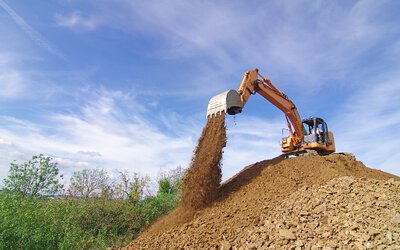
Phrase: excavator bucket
(228, 102)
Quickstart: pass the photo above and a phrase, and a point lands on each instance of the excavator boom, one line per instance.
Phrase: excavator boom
(253, 82)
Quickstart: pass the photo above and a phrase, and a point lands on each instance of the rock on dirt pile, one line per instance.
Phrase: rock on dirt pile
(311, 202)
(346, 213)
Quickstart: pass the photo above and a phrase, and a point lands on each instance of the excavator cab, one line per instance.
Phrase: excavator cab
(316, 135)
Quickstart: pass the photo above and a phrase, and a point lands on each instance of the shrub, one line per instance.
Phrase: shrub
(153, 207)
(28, 223)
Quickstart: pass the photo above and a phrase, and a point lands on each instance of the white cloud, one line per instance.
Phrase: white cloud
(119, 138)
(4, 142)
(68, 163)
(89, 153)
(12, 85)
(76, 20)
(12, 82)
(103, 134)
(20, 81)
(368, 123)
(321, 45)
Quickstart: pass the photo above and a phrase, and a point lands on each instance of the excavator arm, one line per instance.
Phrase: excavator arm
(233, 102)
(253, 83)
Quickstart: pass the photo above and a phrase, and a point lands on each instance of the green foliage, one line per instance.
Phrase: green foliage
(167, 198)
(38, 176)
(165, 187)
(171, 182)
(155, 206)
(137, 186)
(130, 187)
(99, 213)
(69, 223)
(28, 223)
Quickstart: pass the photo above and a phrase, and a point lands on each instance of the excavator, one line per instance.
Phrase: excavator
(308, 136)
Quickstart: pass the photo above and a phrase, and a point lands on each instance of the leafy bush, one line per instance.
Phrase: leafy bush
(29, 220)
(153, 207)
(27, 223)
(76, 223)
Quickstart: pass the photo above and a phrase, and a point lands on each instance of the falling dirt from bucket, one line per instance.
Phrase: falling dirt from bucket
(204, 175)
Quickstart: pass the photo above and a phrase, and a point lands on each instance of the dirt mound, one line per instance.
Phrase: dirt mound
(290, 203)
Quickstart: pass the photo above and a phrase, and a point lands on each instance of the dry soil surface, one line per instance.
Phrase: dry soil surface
(308, 202)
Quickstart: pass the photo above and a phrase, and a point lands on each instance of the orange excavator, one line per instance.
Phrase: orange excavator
(305, 136)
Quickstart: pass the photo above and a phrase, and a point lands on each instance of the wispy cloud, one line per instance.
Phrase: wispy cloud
(76, 20)
(11, 80)
(89, 153)
(108, 132)
(31, 32)
(12, 84)
(22, 81)
(367, 124)
(224, 40)
(101, 128)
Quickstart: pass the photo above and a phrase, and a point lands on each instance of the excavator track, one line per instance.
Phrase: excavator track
(305, 152)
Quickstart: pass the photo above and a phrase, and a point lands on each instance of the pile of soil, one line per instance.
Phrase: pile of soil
(308, 202)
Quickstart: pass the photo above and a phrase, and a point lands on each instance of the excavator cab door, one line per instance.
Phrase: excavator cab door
(309, 134)
(326, 134)
(322, 128)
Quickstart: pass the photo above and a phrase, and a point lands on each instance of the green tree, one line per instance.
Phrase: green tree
(38, 176)
(171, 182)
(165, 187)
(137, 187)
(131, 187)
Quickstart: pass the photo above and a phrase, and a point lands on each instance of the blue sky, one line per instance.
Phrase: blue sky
(125, 84)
